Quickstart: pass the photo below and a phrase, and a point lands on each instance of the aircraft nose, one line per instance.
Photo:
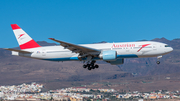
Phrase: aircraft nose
(171, 49)
(168, 49)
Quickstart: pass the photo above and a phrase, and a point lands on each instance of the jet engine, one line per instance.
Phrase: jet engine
(110, 55)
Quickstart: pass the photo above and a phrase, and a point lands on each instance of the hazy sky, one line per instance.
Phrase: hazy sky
(89, 21)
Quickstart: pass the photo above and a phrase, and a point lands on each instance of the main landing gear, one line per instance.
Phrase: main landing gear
(158, 58)
(91, 65)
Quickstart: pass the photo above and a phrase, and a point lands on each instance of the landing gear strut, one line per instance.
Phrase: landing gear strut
(158, 58)
(91, 65)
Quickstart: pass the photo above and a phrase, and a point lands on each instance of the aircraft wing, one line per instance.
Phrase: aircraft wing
(21, 51)
(76, 48)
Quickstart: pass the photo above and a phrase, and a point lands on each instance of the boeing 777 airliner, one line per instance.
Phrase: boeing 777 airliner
(113, 53)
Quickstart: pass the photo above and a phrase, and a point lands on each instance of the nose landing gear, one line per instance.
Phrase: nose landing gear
(91, 65)
(158, 58)
(158, 62)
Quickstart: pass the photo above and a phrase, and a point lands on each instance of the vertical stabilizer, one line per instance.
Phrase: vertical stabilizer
(24, 40)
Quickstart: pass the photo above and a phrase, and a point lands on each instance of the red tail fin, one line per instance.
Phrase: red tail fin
(24, 40)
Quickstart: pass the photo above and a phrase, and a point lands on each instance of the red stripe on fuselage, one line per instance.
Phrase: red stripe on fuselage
(30, 44)
(143, 47)
(15, 26)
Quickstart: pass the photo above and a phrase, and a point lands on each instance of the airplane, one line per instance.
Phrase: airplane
(113, 53)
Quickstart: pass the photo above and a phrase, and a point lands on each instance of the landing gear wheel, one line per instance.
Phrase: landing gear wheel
(159, 57)
(90, 65)
(84, 66)
(96, 66)
(158, 62)
(93, 67)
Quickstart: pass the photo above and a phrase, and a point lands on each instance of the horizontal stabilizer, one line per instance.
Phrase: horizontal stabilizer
(21, 51)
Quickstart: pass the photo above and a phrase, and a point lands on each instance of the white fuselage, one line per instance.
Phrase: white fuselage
(123, 49)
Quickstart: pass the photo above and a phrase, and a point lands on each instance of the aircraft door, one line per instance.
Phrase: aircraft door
(128, 50)
(43, 52)
(154, 47)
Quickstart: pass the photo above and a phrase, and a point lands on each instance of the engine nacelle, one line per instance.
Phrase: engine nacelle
(110, 55)
(117, 62)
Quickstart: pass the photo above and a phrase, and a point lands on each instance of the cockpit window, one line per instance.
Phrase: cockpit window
(167, 46)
